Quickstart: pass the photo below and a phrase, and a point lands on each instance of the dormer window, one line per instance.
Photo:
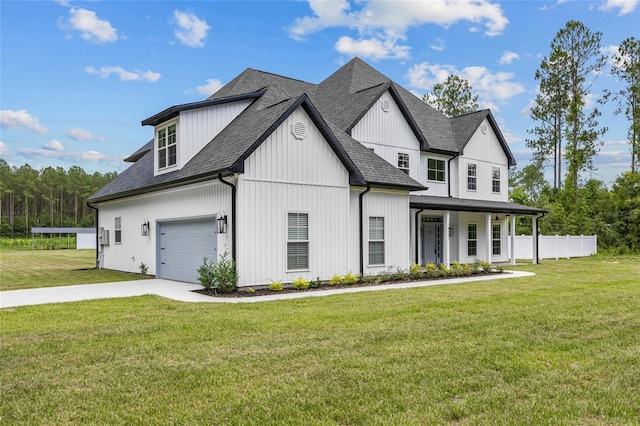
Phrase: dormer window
(167, 146)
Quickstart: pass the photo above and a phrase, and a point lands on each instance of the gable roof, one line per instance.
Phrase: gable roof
(335, 105)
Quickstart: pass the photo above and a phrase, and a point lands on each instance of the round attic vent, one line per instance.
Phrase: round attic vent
(385, 105)
(484, 128)
(299, 130)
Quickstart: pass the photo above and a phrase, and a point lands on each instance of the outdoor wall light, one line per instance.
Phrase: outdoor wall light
(222, 223)
(145, 229)
(450, 231)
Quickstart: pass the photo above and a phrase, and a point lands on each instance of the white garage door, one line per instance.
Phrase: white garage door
(183, 244)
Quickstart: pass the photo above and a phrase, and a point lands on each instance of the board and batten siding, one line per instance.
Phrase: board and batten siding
(436, 188)
(384, 129)
(287, 175)
(189, 202)
(485, 151)
(197, 127)
(394, 207)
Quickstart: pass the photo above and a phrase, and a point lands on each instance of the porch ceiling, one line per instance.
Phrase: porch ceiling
(464, 205)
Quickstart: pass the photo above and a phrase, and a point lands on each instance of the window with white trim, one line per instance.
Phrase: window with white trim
(495, 180)
(376, 240)
(297, 241)
(435, 170)
(472, 239)
(472, 177)
(118, 230)
(496, 241)
(403, 162)
(167, 146)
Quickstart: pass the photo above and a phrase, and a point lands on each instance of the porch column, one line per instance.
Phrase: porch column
(513, 240)
(446, 243)
(535, 240)
(488, 236)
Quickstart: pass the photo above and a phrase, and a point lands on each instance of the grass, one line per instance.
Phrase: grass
(562, 347)
(47, 268)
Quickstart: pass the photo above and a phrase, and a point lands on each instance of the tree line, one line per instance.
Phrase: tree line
(567, 136)
(50, 197)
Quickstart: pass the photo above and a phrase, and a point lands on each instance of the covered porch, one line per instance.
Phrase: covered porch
(445, 229)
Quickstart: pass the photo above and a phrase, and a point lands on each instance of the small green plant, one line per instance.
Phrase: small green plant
(456, 269)
(399, 275)
(335, 280)
(315, 284)
(431, 270)
(349, 279)
(143, 268)
(499, 268)
(368, 279)
(444, 270)
(206, 275)
(486, 266)
(276, 286)
(475, 267)
(415, 271)
(220, 275)
(251, 290)
(301, 284)
(466, 270)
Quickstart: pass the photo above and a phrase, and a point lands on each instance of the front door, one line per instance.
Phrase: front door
(432, 242)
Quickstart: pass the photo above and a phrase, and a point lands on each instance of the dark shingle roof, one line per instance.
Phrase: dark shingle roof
(459, 204)
(336, 105)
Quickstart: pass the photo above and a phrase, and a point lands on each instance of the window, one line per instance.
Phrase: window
(297, 241)
(376, 240)
(495, 183)
(495, 238)
(472, 239)
(167, 153)
(118, 233)
(435, 170)
(403, 162)
(472, 177)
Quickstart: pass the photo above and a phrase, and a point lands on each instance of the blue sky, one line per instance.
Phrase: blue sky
(77, 78)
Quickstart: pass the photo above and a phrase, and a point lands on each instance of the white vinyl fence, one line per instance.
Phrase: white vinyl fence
(555, 246)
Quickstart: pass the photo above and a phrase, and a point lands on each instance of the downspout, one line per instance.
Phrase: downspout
(417, 232)
(97, 236)
(233, 215)
(538, 237)
(449, 175)
(361, 196)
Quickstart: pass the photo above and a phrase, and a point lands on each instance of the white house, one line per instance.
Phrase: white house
(354, 174)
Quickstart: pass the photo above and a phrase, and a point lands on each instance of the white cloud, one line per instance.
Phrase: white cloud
(4, 149)
(91, 27)
(21, 119)
(437, 45)
(191, 30)
(490, 87)
(82, 134)
(374, 48)
(54, 149)
(624, 6)
(212, 86)
(508, 57)
(54, 145)
(382, 24)
(135, 75)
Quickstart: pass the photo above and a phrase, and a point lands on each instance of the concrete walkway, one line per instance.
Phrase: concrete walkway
(184, 291)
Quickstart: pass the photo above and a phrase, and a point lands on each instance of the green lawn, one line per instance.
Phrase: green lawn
(25, 268)
(562, 347)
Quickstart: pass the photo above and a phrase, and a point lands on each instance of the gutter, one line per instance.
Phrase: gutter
(449, 174)
(417, 232)
(97, 236)
(360, 201)
(233, 215)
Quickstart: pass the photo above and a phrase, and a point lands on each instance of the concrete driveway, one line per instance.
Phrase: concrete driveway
(184, 291)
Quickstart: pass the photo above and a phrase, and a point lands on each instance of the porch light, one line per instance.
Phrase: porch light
(450, 231)
(145, 229)
(222, 223)
(497, 217)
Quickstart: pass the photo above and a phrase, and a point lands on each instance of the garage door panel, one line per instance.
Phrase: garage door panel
(183, 245)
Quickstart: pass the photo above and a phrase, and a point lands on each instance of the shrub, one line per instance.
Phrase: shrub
(219, 275)
(466, 270)
(335, 280)
(143, 268)
(368, 279)
(415, 271)
(499, 268)
(431, 270)
(315, 284)
(275, 286)
(486, 266)
(474, 267)
(205, 273)
(251, 290)
(456, 269)
(399, 274)
(444, 270)
(349, 279)
(301, 284)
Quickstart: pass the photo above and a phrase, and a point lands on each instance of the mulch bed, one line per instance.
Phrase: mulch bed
(264, 291)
